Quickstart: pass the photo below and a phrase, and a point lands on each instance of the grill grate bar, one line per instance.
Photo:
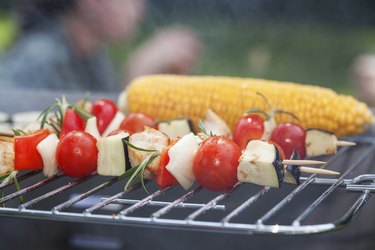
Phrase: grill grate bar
(321, 198)
(285, 201)
(296, 191)
(175, 203)
(30, 188)
(245, 205)
(80, 197)
(143, 202)
(211, 203)
(109, 200)
(165, 203)
(53, 192)
(19, 178)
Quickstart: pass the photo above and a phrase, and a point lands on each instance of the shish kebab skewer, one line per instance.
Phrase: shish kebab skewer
(261, 163)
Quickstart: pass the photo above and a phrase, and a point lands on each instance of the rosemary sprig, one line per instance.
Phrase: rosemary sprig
(10, 178)
(258, 111)
(280, 111)
(138, 148)
(139, 171)
(18, 132)
(265, 101)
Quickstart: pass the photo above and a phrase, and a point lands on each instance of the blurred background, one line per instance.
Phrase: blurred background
(309, 41)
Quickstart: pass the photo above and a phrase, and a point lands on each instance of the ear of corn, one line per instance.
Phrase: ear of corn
(171, 96)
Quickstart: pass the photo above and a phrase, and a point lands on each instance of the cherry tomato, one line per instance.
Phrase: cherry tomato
(215, 163)
(72, 121)
(136, 122)
(164, 178)
(290, 137)
(104, 110)
(26, 156)
(77, 154)
(249, 127)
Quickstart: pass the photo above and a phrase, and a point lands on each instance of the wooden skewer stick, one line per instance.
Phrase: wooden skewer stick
(345, 143)
(6, 134)
(317, 171)
(303, 162)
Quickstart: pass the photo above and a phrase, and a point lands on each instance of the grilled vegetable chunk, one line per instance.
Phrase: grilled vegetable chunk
(176, 128)
(292, 172)
(320, 142)
(6, 155)
(150, 139)
(111, 156)
(261, 164)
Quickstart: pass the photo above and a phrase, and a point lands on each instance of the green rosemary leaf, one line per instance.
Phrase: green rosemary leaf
(265, 101)
(201, 127)
(2, 196)
(18, 188)
(280, 111)
(138, 173)
(138, 148)
(18, 132)
(257, 111)
(4, 176)
(81, 112)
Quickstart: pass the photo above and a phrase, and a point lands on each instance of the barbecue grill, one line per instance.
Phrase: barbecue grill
(319, 205)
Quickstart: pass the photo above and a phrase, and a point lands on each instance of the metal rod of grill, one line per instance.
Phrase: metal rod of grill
(211, 203)
(53, 192)
(142, 202)
(321, 198)
(78, 198)
(183, 198)
(30, 188)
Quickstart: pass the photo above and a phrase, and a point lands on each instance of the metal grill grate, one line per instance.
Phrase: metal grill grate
(253, 209)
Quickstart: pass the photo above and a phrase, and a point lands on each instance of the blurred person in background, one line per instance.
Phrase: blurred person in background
(363, 71)
(62, 46)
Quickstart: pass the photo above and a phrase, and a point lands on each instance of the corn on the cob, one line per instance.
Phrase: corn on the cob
(171, 96)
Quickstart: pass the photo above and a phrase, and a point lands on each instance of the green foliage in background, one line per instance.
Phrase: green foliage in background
(7, 31)
(306, 53)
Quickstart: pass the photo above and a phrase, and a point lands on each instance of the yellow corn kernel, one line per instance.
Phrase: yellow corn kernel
(171, 96)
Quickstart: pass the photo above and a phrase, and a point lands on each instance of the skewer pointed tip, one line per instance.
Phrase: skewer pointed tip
(303, 162)
(317, 171)
(345, 143)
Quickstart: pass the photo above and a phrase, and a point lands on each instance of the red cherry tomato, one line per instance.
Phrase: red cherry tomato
(249, 127)
(136, 122)
(72, 121)
(215, 163)
(26, 156)
(290, 137)
(104, 110)
(77, 154)
(164, 178)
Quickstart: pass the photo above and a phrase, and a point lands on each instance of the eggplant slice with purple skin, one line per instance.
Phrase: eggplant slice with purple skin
(261, 164)
(292, 172)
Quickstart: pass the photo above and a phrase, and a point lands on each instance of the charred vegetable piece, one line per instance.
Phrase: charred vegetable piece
(292, 172)
(27, 156)
(261, 163)
(47, 150)
(164, 178)
(176, 128)
(215, 125)
(111, 155)
(151, 140)
(104, 110)
(320, 142)
(181, 157)
(6, 155)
